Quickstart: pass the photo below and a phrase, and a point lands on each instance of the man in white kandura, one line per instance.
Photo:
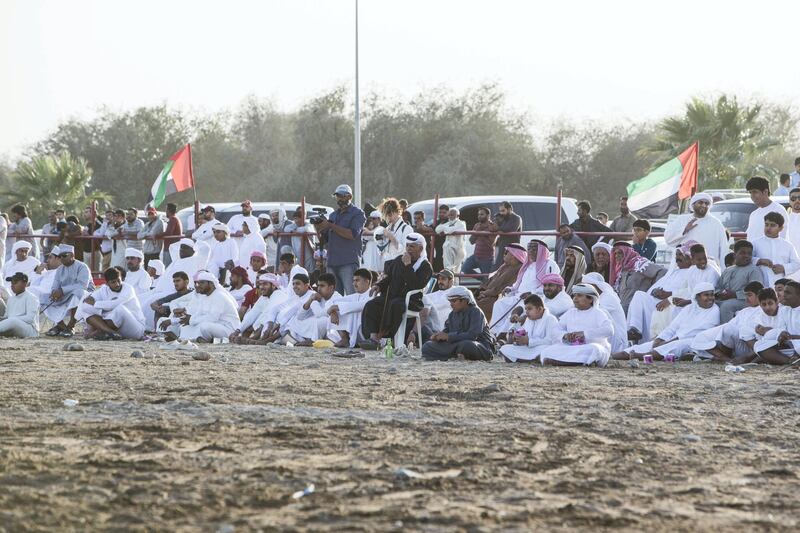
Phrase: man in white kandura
(22, 310)
(112, 312)
(699, 226)
(137, 277)
(215, 315)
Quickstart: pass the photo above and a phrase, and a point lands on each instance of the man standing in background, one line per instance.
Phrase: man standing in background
(505, 221)
(342, 233)
(172, 233)
(151, 230)
(624, 222)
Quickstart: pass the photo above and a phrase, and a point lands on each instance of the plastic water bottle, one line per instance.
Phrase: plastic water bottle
(388, 351)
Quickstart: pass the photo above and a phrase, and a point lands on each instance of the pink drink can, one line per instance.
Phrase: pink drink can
(669, 358)
(648, 359)
(521, 332)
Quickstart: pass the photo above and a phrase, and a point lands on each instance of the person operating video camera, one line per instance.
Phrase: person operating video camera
(341, 232)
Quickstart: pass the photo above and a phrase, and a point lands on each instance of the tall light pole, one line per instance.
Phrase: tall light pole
(357, 131)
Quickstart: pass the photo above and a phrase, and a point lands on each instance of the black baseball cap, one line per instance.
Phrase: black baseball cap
(19, 276)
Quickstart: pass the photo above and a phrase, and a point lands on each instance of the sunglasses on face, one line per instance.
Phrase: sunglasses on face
(794, 198)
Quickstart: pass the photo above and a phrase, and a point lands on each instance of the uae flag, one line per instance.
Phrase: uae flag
(177, 176)
(660, 192)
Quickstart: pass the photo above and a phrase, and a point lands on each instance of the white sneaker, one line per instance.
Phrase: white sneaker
(186, 345)
(172, 345)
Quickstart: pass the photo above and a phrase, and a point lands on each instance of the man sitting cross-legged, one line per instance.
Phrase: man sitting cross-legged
(723, 343)
(466, 333)
(212, 314)
(113, 312)
(261, 316)
(300, 293)
(677, 338)
(311, 321)
(344, 316)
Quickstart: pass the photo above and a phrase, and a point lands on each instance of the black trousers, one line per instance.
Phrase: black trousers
(442, 351)
(380, 315)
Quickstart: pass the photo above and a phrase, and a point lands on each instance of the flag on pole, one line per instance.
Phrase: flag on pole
(660, 192)
(176, 176)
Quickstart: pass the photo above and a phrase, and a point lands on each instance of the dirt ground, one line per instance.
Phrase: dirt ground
(174, 444)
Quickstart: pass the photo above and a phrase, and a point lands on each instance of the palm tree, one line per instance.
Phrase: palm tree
(733, 141)
(48, 182)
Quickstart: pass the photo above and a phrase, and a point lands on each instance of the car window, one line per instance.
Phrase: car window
(734, 216)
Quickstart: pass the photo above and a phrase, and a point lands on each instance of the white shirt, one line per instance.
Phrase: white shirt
(558, 305)
(222, 252)
(530, 283)
(747, 328)
(218, 308)
(595, 324)
(24, 306)
(108, 300)
(440, 308)
(690, 321)
(755, 226)
(542, 332)
(694, 275)
(205, 231)
(451, 226)
(780, 252)
(400, 230)
(709, 232)
(239, 294)
(13, 266)
(792, 228)
(140, 280)
(264, 310)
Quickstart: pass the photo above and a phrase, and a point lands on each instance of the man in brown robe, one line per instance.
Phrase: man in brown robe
(514, 257)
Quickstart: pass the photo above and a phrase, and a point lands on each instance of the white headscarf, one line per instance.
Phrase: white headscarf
(702, 196)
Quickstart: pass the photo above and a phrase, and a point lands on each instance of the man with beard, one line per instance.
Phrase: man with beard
(69, 289)
(601, 259)
(212, 316)
(206, 230)
(235, 223)
(342, 234)
(574, 266)
(490, 290)
(483, 256)
(587, 223)
(162, 306)
(554, 299)
(151, 230)
(701, 227)
(20, 261)
(261, 316)
(383, 314)
(506, 221)
(137, 277)
(624, 222)
(567, 238)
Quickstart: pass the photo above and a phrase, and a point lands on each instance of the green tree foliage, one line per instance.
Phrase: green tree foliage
(435, 142)
(50, 181)
(736, 140)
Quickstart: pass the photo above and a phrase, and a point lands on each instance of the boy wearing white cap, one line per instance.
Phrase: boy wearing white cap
(224, 252)
(22, 309)
(699, 226)
(584, 332)
(137, 277)
(112, 312)
(677, 338)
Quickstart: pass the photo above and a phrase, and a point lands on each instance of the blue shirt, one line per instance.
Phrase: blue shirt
(343, 251)
(794, 179)
(781, 191)
(647, 250)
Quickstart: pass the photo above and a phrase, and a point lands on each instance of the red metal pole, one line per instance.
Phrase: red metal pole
(433, 225)
(558, 207)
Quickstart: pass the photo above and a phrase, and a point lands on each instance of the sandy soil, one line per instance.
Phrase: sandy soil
(170, 443)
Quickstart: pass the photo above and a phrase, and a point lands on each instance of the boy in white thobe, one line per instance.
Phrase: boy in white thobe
(540, 331)
(677, 338)
(22, 310)
(311, 321)
(344, 316)
(301, 292)
(759, 325)
(775, 255)
(112, 312)
(781, 344)
(609, 302)
(723, 342)
(583, 332)
(224, 252)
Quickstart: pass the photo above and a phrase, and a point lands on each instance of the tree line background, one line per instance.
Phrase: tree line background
(437, 142)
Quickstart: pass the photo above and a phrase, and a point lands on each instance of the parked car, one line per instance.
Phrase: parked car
(735, 214)
(537, 212)
(226, 210)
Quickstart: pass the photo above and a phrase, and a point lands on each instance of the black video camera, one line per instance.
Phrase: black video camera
(318, 219)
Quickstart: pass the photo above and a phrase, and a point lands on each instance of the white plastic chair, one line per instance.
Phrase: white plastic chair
(399, 337)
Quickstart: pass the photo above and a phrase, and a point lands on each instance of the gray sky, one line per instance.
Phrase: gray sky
(607, 61)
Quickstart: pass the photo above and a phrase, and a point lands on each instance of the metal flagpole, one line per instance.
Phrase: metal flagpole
(357, 132)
